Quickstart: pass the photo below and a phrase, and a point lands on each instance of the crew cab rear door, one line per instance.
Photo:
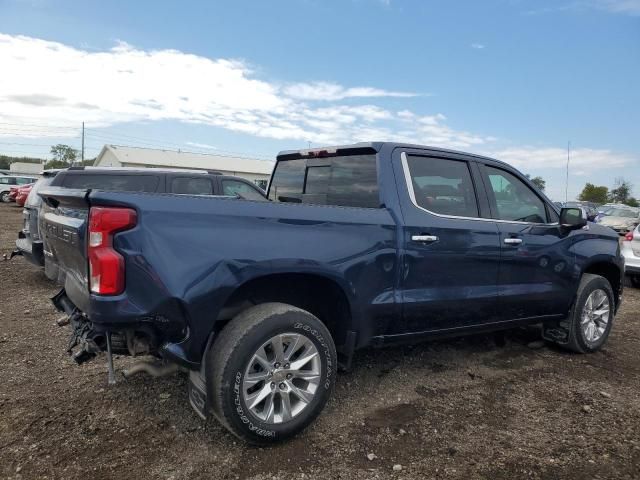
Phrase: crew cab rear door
(451, 253)
(536, 267)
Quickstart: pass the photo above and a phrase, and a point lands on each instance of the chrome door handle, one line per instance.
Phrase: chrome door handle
(513, 241)
(424, 238)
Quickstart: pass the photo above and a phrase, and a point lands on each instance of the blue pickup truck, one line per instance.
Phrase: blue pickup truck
(360, 245)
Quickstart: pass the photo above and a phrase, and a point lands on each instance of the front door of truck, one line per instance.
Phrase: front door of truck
(451, 254)
(536, 268)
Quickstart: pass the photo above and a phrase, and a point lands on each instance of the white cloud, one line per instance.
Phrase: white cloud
(46, 82)
(204, 146)
(331, 91)
(477, 46)
(581, 159)
(49, 82)
(629, 7)
(624, 7)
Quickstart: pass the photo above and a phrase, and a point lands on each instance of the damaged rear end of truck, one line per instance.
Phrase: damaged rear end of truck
(89, 241)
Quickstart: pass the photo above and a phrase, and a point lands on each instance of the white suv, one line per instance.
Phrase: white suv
(631, 252)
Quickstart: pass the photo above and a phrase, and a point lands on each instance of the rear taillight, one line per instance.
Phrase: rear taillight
(106, 266)
(629, 236)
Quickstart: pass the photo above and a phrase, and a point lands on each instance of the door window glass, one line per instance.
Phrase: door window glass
(234, 188)
(443, 186)
(192, 186)
(514, 200)
(262, 184)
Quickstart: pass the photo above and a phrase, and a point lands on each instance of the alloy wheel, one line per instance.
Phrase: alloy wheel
(282, 378)
(595, 315)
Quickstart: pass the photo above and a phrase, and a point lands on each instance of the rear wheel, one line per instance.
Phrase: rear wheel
(635, 280)
(591, 318)
(4, 197)
(270, 372)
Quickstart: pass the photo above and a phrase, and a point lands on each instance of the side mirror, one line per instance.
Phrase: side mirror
(573, 218)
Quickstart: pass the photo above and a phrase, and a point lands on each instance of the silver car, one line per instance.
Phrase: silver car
(622, 220)
(631, 252)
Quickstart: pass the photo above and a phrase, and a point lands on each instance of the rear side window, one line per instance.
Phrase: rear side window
(113, 182)
(25, 180)
(348, 181)
(7, 181)
(443, 186)
(192, 186)
(514, 200)
(234, 187)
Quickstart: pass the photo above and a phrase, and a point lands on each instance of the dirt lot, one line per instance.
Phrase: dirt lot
(465, 408)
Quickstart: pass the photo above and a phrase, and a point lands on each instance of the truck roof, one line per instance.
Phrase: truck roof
(375, 146)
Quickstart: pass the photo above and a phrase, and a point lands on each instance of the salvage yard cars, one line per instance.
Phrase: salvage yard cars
(622, 220)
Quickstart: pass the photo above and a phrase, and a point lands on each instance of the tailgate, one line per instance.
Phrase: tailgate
(64, 231)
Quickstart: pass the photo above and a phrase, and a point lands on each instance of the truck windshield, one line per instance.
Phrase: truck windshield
(349, 181)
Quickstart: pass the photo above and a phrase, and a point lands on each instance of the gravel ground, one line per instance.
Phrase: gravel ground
(476, 407)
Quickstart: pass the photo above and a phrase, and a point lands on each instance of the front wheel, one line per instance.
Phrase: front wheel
(591, 318)
(4, 197)
(270, 372)
(635, 280)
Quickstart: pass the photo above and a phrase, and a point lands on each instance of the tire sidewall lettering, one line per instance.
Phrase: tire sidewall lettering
(242, 415)
(327, 352)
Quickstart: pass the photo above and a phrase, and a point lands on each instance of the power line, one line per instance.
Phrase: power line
(26, 144)
(125, 142)
(110, 136)
(24, 153)
(38, 126)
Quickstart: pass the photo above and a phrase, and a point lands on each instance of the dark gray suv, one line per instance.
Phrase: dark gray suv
(30, 243)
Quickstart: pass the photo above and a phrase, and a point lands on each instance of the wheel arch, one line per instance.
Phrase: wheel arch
(318, 293)
(611, 272)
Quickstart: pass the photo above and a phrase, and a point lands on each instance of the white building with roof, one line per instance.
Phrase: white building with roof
(253, 169)
(25, 167)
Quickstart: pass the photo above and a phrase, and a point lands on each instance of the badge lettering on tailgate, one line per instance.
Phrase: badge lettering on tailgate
(65, 234)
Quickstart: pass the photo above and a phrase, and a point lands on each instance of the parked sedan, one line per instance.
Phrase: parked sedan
(622, 220)
(23, 193)
(13, 192)
(7, 181)
(631, 252)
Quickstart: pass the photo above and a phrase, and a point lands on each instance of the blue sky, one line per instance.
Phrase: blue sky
(515, 79)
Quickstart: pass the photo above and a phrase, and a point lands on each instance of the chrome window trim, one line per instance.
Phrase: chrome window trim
(412, 196)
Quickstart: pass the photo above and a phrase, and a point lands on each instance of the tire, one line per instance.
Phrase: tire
(587, 333)
(635, 280)
(4, 197)
(230, 365)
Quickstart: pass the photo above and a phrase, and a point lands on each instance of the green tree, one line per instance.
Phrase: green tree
(64, 154)
(622, 191)
(632, 202)
(593, 193)
(538, 182)
(51, 164)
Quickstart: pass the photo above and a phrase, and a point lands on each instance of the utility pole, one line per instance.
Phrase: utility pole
(566, 188)
(82, 155)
